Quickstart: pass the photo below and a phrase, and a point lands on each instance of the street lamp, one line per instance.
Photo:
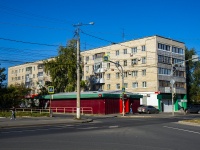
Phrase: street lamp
(77, 32)
(106, 59)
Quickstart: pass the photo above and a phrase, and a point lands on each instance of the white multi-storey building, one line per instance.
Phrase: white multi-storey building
(147, 64)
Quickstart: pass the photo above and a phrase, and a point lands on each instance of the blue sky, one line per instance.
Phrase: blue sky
(50, 22)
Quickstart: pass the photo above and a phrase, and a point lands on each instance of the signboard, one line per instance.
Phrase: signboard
(50, 89)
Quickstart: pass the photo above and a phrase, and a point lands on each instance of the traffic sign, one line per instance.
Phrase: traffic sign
(50, 89)
(105, 58)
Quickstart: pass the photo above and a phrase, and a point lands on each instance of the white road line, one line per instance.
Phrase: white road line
(88, 128)
(113, 126)
(181, 129)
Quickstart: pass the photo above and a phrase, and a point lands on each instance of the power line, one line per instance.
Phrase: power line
(27, 42)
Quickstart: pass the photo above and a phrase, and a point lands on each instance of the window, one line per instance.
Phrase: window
(108, 86)
(134, 73)
(19, 70)
(87, 77)
(117, 86)
(125, 62)
(143, 60)
(143, 48)
(117, 75)
(134, 61)
(117, 52)
(125, 74)
(135, 85)
(12, 71)
(144, 72)
(134, 50)
(108, 65)
(163, 83)
(40, 74)
(87, 68)
(19, 78)
(125, 51)
(164, 71)
(108, 76)
(144, 84)
(126, 85)
(164, 59)
(87, 58)
(22, 77)
(33, 75)
(163, 47)
(22, 70)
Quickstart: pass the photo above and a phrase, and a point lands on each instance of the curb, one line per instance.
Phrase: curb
(54, 122)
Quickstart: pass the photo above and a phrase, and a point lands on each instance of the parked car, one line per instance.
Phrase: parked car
(147, 109)
(193, 109)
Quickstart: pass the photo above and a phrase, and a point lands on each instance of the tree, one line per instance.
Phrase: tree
(2, 76)
(62, 68)
(192, 77)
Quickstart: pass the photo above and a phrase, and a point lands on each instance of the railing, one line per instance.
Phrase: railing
(57, 110)
(71, 110)
(33, 110)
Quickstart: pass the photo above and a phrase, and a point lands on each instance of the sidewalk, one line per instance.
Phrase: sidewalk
(37, 121)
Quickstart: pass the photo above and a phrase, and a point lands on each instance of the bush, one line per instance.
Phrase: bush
(22, 114)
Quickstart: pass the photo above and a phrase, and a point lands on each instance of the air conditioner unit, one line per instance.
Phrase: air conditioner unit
(131, 54)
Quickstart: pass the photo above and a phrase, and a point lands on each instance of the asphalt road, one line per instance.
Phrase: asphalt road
(105, 134)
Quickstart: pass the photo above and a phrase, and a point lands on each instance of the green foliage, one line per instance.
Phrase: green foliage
(2, 76)
(7, 114)
(12, 95)
(62, 68)
(192, 77)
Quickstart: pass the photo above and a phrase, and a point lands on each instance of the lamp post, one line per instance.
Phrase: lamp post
(106, 59)
(77, 33)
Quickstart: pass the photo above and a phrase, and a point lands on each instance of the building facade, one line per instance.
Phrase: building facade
(32, 75)
(149, 67)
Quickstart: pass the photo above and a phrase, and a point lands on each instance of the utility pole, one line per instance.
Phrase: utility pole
(78, 105)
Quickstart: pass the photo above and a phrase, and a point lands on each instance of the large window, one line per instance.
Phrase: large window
(117, 52)
(164, 71)
(125, 51)
(144, 72)
(125, 62)
(163, 47)
(108, 76)
(117, 75)
(134, 73)
(164, 59)
(135, 84)
(117, 86)
(163, 83)
(143, 60)
(126, 85)
(143, 48)
(134, 50)
(108, 86)
(177, 50)
(144, 84)
(134, 61)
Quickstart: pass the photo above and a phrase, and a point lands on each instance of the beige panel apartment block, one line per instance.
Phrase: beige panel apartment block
(139, 59)
(32, 75)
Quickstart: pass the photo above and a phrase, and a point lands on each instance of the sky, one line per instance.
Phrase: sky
(33, 30)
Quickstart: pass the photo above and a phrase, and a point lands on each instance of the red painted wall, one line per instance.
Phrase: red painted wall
(99, 105)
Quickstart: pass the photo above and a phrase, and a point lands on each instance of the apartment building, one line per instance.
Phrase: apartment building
(147, 63)
(32, 75)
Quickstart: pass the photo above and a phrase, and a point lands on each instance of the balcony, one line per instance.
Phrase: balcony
(99, 81)
(100, 70)
(178, 90)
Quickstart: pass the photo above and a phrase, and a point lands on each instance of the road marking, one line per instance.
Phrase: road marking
(181, 129)
(88, 128)
(113, 126)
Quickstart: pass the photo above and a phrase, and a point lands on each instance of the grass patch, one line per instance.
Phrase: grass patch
(22, 114)
(193, 121)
